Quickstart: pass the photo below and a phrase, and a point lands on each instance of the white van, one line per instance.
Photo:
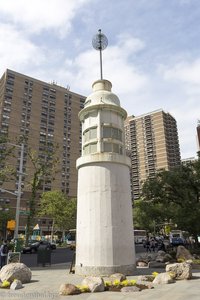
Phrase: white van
(178, 237)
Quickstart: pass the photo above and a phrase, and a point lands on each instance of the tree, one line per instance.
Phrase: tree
(44, 171)
(149, 215)
(62, 210)
(7, 172)
(5, 215)
(176, 194)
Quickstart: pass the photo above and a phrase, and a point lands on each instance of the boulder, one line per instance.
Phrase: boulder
(16, 271)
(16, 285)
(163, 259)
(130, 289)
(95, 284)
(146, 257)
(143, 285)
(68, 289)
(181, 270)
(117, 276)
(183, 253)
(145, 278)
(161, 253)
(163, 278)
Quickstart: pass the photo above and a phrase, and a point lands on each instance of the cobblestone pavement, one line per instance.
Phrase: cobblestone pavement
(46, 281)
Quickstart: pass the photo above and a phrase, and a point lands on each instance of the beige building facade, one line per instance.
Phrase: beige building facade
(152, 143)
(47, 114)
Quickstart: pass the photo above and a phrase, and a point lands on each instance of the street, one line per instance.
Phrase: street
(60, 255)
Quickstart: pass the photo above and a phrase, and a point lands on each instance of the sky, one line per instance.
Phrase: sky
(152, 58)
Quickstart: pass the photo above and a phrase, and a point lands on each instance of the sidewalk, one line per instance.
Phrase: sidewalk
(46, 281)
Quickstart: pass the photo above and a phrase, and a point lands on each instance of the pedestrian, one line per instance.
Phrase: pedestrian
(152, 244)
(191, 242)
(147, 244)
(4, 253)
(161, 246)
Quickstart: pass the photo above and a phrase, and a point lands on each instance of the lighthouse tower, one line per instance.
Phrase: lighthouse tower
(104, 241)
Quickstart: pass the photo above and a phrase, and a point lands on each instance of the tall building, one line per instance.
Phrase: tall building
(188, 161)
(47, 114)
(152, 143)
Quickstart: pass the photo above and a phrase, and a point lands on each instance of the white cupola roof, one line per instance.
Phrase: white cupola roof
(102, 94)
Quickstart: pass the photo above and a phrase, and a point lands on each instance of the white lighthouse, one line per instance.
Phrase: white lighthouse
(104, 241)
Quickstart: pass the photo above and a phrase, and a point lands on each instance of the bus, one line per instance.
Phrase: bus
(139, 236)
(71, 237)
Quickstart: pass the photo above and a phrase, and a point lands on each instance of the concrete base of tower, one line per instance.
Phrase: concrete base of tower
(104, 270)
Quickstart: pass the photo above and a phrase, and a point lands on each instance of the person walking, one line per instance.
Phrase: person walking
(4, 253)
(153, 244)
(147, 245)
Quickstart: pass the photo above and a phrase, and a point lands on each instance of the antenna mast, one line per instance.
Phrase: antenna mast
(100, 42)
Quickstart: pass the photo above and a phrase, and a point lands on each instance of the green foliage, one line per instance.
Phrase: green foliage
(62, 210)
(7, 172)
(44, 171)
(5, 215)
(172, 195)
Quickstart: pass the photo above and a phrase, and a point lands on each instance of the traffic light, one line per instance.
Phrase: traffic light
(11, 225)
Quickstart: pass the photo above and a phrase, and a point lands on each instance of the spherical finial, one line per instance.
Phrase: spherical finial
(99, 41)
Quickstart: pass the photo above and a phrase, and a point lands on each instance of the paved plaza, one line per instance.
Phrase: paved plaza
(46, 281)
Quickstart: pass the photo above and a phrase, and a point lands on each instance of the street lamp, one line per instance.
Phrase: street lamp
(19, 189)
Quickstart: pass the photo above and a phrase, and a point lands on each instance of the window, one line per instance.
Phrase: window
(93, 148)
(111, 132)
(90, 134)
(116, 148)
(106, 132)
(107, 147)
(112, 147)
(11, 76)
(90, 148)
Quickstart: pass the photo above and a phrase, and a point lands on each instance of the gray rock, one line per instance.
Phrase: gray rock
(144, 284)
(161, 253)
(117, 276)
(148, 278)
(16, 271)
(181, 270)
(168, 257)
(160, 259)
(164, 258)
(130, 289)
(183, 253)
(16, 285)
(95, 284)
(68, 289)
(146, 257)
(163, 278)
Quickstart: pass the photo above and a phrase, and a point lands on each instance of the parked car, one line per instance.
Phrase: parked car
(34, 245)
(177, 241)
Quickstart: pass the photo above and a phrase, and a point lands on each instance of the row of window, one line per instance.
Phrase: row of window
(107, 147)
(108, 132)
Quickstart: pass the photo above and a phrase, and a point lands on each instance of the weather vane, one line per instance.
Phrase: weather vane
(100, 42)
